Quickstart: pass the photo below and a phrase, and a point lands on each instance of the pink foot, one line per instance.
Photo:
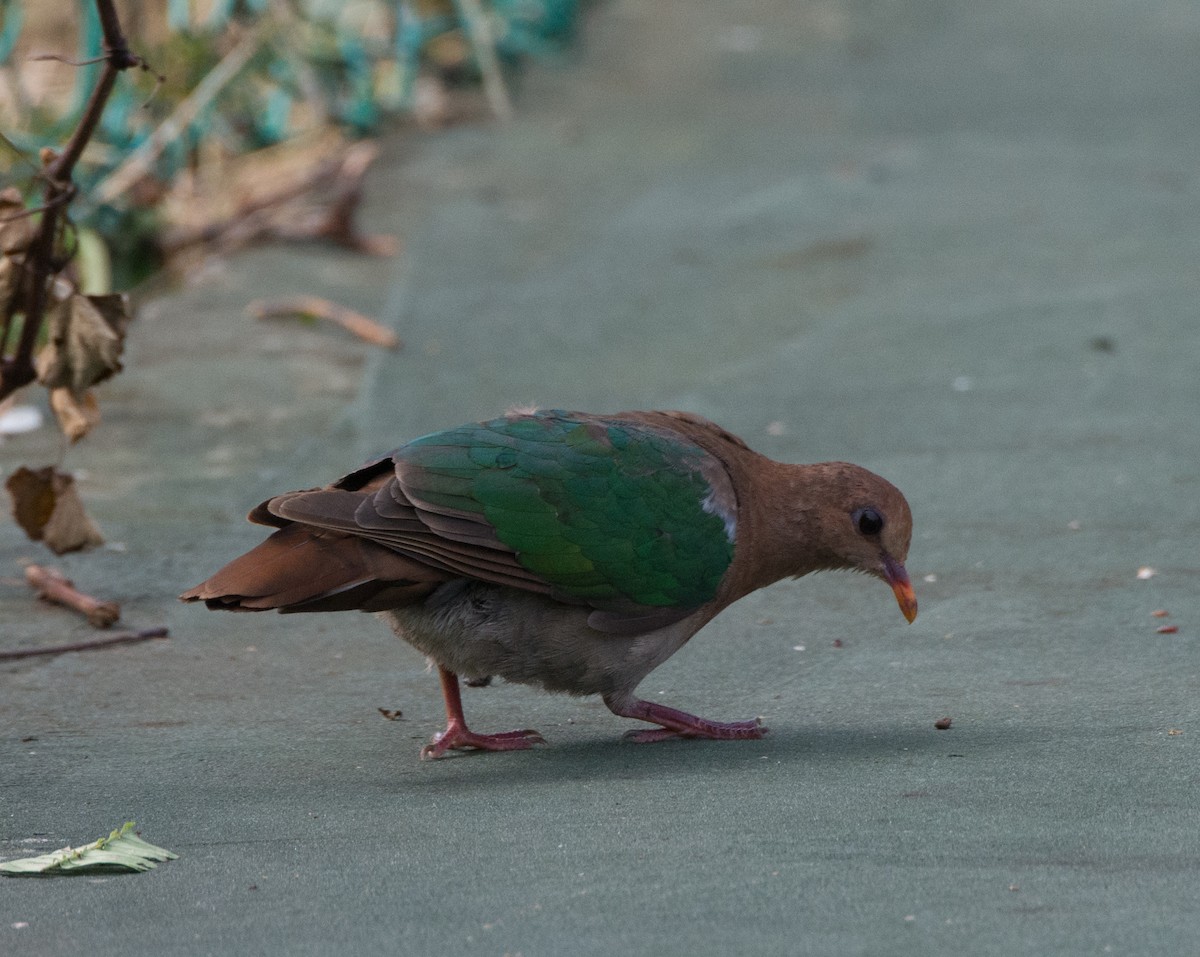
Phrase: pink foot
(680, 724)
(713, 730)
(461, 738)
(458, 737)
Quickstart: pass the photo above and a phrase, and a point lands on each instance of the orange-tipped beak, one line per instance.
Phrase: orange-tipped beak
(895, 575)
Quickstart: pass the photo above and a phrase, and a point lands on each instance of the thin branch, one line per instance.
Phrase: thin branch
(116, 58)
(59, 58)
(139, 162)
(120, 638)
(335, 185)
(34, 210)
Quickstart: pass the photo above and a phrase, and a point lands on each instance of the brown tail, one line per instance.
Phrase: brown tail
(300, 568)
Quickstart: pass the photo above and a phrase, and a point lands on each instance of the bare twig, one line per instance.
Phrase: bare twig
(336, 222)
(315, 307)
(29, 211)
(59, 58)
(53, 586)
(334, 184)
(138, 163)
(120, 638)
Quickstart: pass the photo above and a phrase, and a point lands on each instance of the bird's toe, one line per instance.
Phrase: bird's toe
(462, 739)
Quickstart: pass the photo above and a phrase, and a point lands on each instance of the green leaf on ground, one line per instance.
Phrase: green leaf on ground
(121, 852)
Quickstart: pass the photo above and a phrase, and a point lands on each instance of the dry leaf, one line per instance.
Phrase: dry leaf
(87, 334)
(11, 286)
(47, 507)
(32, 499)
(77, 415)
(16, 225)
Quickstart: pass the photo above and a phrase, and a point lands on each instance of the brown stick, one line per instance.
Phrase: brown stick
(53, 586)
(336, 222)
(120, 638)
(315, 307)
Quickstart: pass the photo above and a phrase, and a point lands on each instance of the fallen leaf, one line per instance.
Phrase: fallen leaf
(121, 851)
(47, 507)
(32, 499)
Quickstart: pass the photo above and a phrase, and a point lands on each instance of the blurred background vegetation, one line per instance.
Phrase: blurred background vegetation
(243, 106)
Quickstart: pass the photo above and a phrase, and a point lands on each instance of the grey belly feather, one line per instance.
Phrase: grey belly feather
(476, 630)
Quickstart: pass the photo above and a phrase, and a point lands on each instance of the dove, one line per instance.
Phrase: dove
(571, 551)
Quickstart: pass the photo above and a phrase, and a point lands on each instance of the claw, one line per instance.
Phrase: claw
(461, 738)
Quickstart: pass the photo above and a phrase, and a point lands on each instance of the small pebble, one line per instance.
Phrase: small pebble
(943, 724)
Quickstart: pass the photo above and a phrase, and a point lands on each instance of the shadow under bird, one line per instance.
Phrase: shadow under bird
(572, 551)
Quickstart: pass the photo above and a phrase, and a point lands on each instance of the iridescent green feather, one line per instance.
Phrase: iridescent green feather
(608, 512)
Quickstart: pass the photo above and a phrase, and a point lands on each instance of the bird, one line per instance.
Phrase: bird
(567, 550)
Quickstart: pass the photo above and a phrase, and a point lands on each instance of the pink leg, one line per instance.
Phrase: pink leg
(679, 724)
(458, 736)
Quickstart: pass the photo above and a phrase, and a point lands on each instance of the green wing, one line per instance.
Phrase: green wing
(608, 512)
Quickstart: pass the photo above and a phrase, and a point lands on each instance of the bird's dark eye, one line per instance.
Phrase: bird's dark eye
(869, 521)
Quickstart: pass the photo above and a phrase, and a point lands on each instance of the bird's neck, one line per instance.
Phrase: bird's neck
(782, 522)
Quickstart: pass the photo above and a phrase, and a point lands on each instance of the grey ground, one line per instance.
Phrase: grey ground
(955, 242)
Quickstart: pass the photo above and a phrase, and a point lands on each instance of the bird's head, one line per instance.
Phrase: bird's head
(862, 523)
(878, 545)
(876, 528)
